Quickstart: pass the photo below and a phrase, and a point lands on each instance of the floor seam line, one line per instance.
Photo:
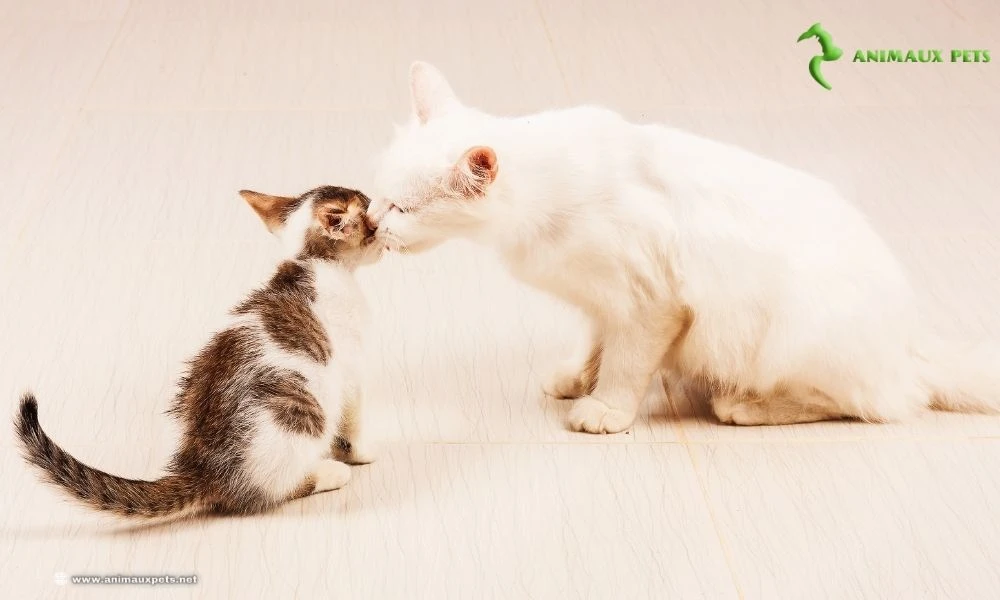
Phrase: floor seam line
(552, 49)
(703, 487)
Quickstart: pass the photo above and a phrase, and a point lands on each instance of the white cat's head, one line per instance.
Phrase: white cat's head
(435, 180)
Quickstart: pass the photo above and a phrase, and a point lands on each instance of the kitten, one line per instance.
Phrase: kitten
(687, 255)
(270, 399)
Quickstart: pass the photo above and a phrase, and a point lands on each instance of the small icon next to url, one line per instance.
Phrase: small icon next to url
(61, 578)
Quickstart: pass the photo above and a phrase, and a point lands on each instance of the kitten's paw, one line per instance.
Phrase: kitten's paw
(353, 453)
(331, 475)
(362, 454)
(566, 383)
(593, 416)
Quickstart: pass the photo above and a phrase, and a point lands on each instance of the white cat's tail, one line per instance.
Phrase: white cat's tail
(961, 377)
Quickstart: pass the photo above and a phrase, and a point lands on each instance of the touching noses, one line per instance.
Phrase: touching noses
(370, 223)
(377, 210)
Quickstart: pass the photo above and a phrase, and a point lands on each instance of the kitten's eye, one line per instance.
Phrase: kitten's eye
(399, 209)
(334, 221)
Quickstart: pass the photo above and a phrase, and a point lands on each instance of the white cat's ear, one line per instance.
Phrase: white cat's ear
(475, 171)
(430, 93)
(273, 210)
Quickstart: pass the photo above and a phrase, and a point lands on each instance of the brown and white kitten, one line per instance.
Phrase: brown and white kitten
(271, 402)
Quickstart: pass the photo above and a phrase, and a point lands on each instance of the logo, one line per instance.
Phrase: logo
(829, 52)
(927, 55)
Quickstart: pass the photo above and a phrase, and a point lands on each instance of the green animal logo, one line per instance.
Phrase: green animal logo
(830, 52)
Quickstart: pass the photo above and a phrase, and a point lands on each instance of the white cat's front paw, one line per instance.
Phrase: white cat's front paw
(331, 475)
(593, 416)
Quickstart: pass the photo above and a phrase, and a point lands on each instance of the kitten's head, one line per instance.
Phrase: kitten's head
(328, 223)
(435, 182)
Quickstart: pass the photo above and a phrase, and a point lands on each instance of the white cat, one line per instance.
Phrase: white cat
(686, 254)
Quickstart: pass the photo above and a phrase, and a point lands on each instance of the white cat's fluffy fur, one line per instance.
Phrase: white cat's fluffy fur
(686, 254)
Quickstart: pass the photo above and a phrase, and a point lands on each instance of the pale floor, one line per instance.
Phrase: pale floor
(126, 128)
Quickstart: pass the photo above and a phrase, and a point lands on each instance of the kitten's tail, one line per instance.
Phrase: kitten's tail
(164, 497)
(961, 377)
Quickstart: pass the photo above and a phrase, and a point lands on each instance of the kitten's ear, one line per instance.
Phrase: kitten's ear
(475, 171)
(273, 210)
(430, 93)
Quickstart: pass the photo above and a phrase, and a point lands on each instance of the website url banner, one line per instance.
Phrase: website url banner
(118, 579)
